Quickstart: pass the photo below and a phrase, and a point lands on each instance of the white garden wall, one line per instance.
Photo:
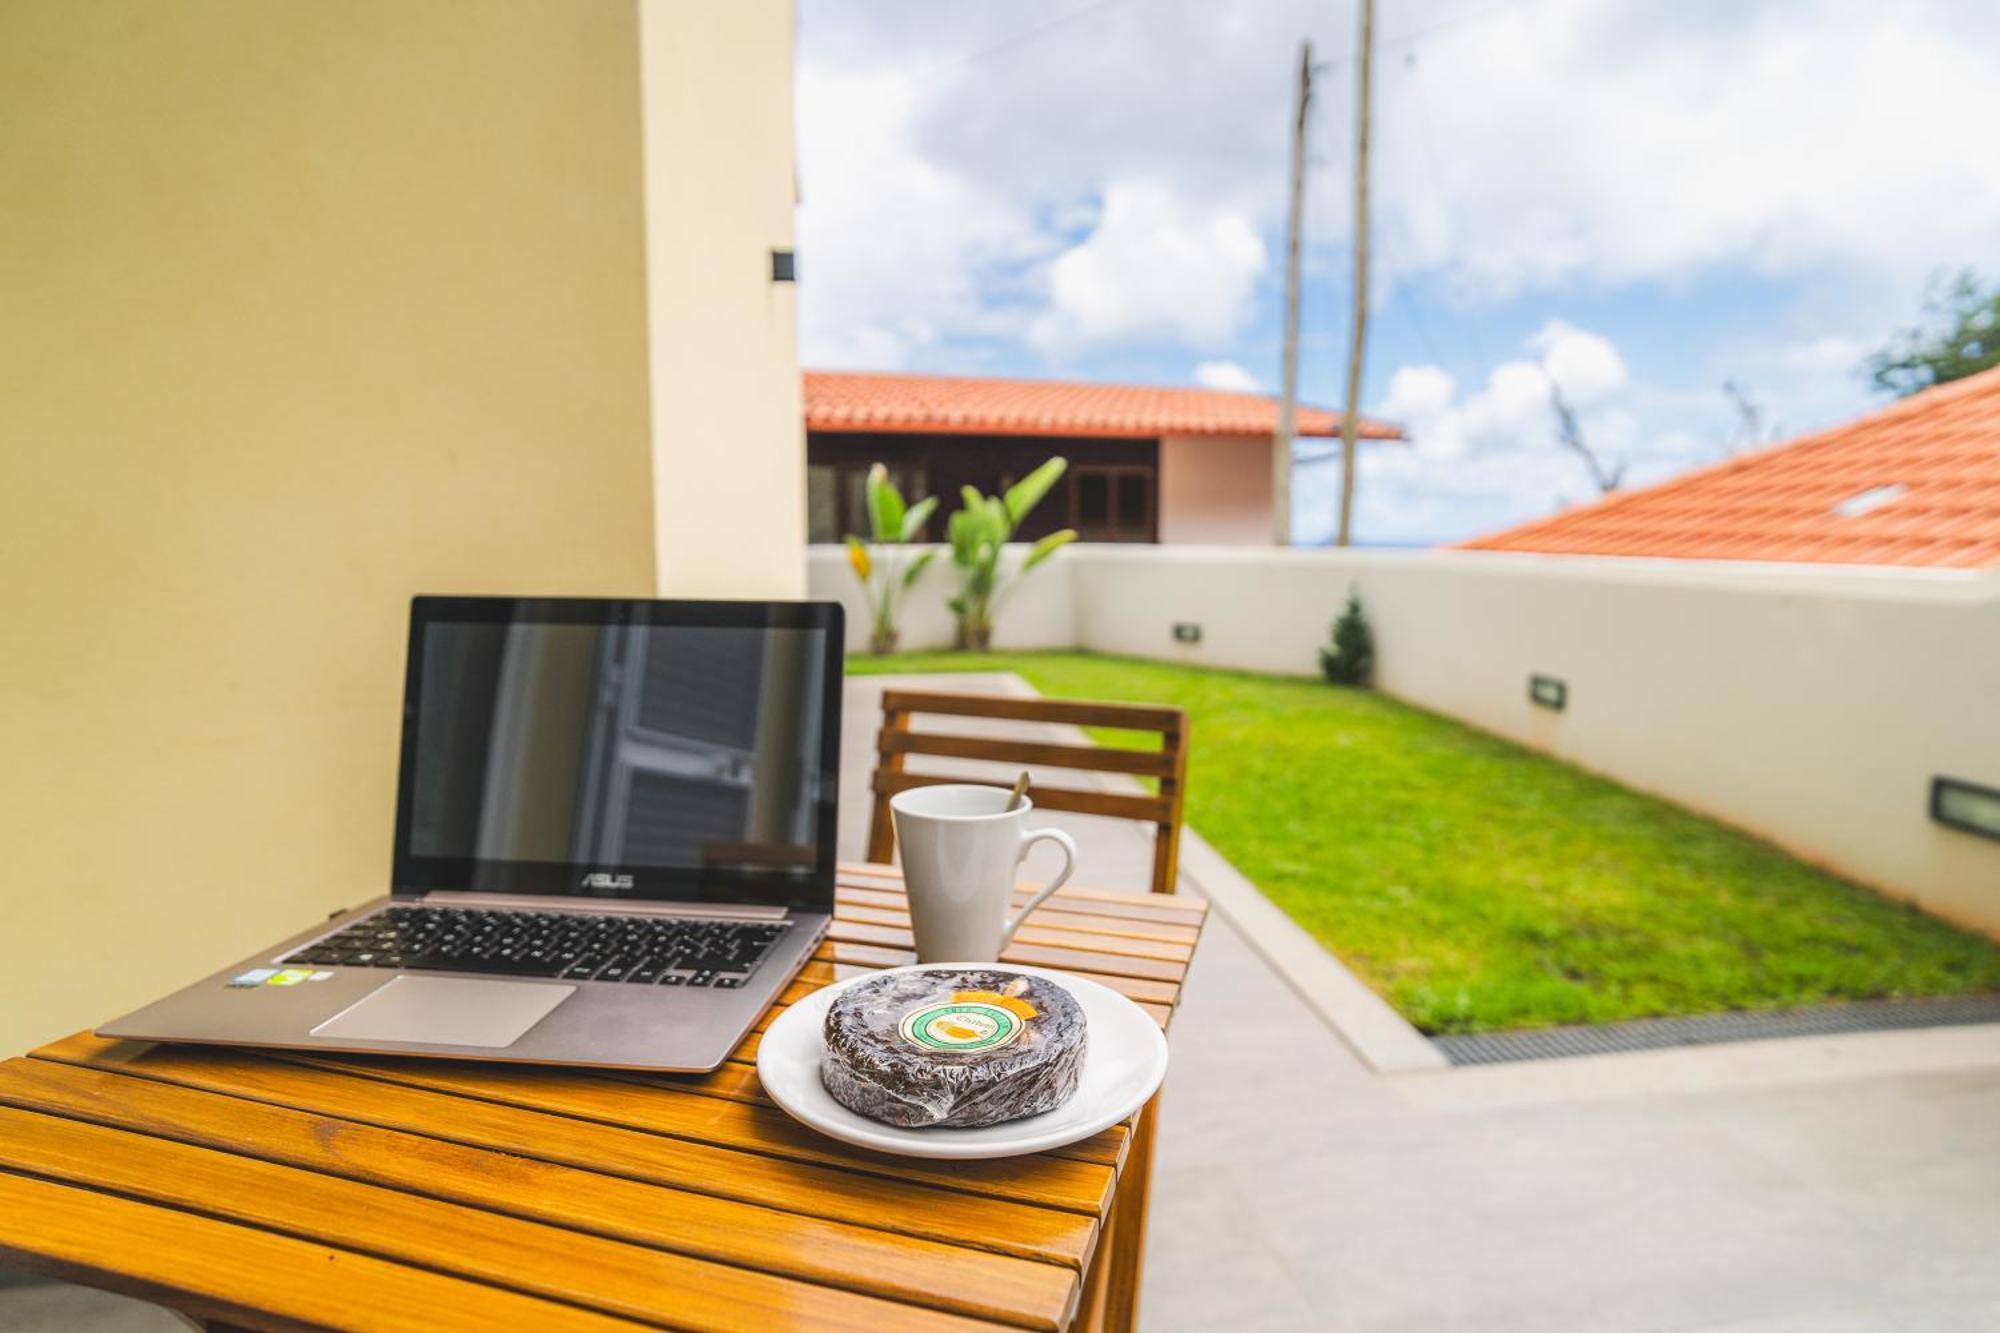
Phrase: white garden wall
(1809, 705)
(1037, 612)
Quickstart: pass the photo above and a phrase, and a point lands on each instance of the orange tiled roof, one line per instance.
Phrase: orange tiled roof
(843, 401)
(1919, 482)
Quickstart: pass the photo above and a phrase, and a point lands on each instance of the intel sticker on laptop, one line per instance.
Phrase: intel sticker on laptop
(276, 976)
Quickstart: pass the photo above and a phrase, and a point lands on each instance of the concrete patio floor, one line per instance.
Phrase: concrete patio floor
(1829, 1184)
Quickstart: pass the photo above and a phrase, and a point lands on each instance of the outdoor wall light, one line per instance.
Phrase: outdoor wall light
(784, 266)
(1959, 804)
(1186, 631)
(1548, 692)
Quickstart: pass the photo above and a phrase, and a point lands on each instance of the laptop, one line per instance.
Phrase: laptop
(614, 845)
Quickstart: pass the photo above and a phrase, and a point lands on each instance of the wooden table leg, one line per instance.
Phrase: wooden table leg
(1111, 1295)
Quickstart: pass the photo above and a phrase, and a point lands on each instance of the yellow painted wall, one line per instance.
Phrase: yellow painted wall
(728, 420)
(304, 308)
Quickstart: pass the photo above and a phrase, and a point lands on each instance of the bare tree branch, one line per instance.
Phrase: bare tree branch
(1750, 429)
(1606, 476)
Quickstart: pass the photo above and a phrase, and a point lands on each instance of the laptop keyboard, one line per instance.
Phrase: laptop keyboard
(636, 950)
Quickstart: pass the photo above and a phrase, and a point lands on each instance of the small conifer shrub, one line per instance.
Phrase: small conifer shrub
(1350, 658)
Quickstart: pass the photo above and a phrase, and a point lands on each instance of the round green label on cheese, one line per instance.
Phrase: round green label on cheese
(960, 1025)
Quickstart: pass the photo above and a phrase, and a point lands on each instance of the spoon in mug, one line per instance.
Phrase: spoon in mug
(1020, 790)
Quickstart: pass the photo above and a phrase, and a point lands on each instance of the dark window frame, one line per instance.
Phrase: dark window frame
(1116, 527)
(940, 464)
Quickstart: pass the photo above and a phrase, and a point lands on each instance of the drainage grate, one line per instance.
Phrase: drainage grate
(1649, 1034)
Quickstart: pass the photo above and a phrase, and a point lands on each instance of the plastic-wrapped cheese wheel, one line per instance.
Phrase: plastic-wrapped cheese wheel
(950, 1046)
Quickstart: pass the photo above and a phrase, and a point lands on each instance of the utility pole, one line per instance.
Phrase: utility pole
(1350, 425)
(1288, 403)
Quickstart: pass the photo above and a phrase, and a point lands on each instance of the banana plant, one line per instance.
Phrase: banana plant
(882, 563)
(979, 531)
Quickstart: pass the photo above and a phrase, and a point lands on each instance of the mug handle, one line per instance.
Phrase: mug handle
(1029, 838)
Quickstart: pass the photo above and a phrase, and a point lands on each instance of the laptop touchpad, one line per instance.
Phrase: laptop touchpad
(446, 1011)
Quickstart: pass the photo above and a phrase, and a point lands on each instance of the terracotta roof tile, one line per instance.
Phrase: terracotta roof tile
(853, 402)
(1941, 446)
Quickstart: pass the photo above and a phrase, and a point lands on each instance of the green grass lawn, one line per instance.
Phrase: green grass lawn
(1480, 886)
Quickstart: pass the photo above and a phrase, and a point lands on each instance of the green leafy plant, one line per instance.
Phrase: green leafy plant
(979, 532)
(1350, 658)
(883, 565)
(1958, 336)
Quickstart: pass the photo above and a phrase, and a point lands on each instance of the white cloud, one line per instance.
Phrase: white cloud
(1403, 497)
(895, 249)
(1799, 383)
(1512, 409)
(1618, 143)
(1828, 352)
(1518, 146)
(1102, 185)
(1516, 393)
(1226, 375)
(1418, 393)
(1488, 457)
(1154, 268)
(1587, 366)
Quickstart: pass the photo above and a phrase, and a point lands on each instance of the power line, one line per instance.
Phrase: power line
(1407, 303)
(1410, 39)
(1430, 159)
(1030, 35)
(1477, 16)
(1403, 42)
(1433, 167)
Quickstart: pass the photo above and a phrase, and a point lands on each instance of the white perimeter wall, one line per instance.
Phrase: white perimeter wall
(1036, 612)
(1811, 706)
(1215, 491)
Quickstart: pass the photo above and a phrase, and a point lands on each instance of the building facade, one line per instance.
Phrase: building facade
(1146, 464)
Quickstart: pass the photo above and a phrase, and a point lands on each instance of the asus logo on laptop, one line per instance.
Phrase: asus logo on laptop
(601, 880)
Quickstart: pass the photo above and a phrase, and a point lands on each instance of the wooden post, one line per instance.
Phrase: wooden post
(1110, 1296)
(1288, 401)
(1173, 786)
(1350, 425)
(881, 825)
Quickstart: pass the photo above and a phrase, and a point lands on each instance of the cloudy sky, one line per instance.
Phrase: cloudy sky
(1638, 200)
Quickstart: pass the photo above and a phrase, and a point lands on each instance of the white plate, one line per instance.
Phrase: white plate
(1124, 1060)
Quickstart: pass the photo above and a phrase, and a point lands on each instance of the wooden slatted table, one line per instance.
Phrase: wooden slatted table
(285, 1190)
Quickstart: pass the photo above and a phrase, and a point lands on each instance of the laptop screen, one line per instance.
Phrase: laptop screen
(631, 749)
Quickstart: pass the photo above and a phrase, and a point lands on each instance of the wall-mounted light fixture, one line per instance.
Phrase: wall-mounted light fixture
(1186, 631)
(784, 266)
(1548, 692)
(1964, 805)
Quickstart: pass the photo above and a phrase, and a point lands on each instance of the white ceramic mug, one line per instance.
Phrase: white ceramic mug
(961, 850)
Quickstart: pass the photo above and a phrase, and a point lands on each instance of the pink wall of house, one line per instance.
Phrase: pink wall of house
(1215, 491)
